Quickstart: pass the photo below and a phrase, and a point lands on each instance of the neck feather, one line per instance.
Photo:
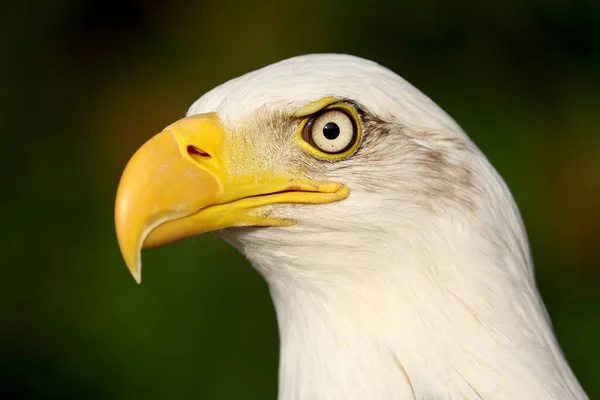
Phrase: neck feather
(406, 321)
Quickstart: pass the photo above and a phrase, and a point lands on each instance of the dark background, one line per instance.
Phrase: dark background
(84, 83)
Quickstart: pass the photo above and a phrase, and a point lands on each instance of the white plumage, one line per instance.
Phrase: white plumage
(397, 293)
(418, 285)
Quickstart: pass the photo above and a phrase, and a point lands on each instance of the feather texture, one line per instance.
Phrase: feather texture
(420, 284)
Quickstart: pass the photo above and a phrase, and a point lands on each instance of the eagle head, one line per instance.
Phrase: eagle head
(394, 252)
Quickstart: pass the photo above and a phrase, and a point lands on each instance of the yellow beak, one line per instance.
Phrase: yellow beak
(177, 185)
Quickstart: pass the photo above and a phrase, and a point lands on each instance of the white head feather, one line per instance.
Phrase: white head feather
(420, 284)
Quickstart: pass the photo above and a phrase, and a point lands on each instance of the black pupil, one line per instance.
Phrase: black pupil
(331, 130)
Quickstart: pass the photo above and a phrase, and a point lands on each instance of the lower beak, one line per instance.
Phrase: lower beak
(177, 185)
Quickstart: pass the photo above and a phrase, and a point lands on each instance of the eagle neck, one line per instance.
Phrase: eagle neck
(415, 334)
(327, 352)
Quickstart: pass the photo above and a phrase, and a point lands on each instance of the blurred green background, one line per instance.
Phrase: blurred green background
(84, 83)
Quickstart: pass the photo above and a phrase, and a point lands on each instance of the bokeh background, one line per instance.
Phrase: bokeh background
(84, 83)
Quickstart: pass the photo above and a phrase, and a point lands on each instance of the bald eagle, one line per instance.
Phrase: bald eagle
(394, 253)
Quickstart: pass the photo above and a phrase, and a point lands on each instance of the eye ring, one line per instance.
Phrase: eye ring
(333, 131)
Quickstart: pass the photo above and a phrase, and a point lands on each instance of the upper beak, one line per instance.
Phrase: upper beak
(178, 185)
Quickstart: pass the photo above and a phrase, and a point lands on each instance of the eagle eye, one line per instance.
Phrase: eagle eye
(332, 131)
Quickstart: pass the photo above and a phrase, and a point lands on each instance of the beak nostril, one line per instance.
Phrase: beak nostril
(196, 152)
